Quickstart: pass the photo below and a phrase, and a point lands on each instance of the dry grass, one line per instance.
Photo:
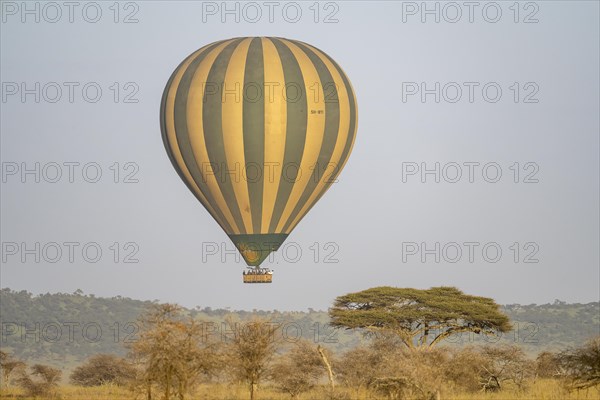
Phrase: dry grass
(545, 389)
(76, 393)
(542, 390)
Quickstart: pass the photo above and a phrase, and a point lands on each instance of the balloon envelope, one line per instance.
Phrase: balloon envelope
(258, 128)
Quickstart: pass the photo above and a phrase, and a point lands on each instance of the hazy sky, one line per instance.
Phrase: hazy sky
(517, 98)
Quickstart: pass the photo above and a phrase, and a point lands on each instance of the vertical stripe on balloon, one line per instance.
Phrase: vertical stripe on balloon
(191, 130)
(330, 101)
(167, 123)
(344, 133)
(295, 133)
(275, 116)
(232, 125)
(311, 87)
(254, 130)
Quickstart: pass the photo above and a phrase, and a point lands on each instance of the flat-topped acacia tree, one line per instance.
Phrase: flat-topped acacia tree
(420, 318)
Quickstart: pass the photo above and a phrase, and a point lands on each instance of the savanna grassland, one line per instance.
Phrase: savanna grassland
(380, 343)
(545, 389)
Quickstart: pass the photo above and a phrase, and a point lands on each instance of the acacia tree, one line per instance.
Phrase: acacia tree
(420, 318)
(42, 381)
(582, 364)
(357, 367)
(250, 351)
(361, 366)
(171, 352)
(504, 364)
(8, 365)
(298, 370)
(101, 369)
(547, 365)
(401, 373)
(466, 369)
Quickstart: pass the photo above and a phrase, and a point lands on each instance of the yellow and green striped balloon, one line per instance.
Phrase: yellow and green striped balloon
(258, 128)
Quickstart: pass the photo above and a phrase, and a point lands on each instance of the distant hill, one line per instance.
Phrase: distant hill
(64, 329)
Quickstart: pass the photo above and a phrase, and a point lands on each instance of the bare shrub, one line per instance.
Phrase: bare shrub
(582, 364)
(42, 381)
(103, 369)
(298, 370)
(505, 364)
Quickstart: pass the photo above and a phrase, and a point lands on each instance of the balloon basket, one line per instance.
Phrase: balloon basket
(258, 276)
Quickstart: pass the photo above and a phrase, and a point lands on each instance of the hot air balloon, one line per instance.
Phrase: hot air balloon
(258, 128)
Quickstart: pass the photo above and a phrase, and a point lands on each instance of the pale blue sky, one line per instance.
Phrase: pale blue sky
(370, 215)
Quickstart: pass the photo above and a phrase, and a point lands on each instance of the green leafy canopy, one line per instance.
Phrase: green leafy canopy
(418, 315)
